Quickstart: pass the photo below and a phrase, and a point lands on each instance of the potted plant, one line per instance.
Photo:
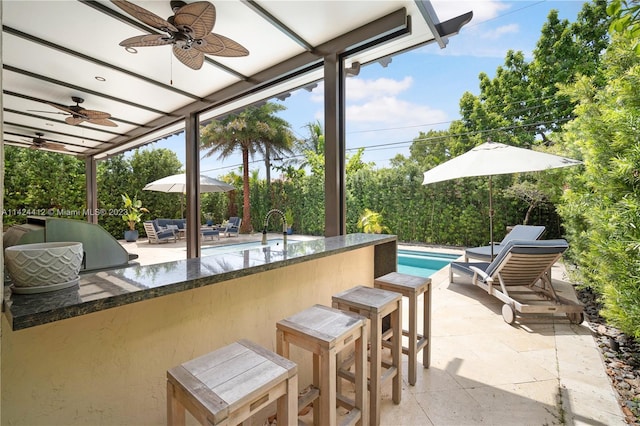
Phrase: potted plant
(288, 217)
(133, 215)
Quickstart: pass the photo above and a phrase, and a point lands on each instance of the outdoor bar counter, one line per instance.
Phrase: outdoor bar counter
(98, 353)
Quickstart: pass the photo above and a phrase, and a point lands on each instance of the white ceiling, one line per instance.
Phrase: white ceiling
(53, 50)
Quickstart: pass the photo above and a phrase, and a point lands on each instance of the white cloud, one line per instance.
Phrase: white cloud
(379, 101)
(472, 40)
(499, 32)
(482, 9)
(358, 88)
(388, 110)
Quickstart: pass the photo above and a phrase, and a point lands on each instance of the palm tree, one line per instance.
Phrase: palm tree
(315, 141)
(278, 140)
(254, 130)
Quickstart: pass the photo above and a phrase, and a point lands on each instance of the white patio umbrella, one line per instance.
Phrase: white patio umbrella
(178, 183)
(493, 158)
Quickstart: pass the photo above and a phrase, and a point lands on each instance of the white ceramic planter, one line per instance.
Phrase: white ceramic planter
(43, 266)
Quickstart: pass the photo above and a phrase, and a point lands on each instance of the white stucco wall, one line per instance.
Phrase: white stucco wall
(110, 367)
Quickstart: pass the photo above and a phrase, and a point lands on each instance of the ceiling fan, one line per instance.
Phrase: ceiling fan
(77, 114)
(188, 30)
(38, 142)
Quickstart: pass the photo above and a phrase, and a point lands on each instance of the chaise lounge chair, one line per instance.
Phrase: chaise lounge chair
(209, 232)
(520, 276)
(519, 232)
(231, 227)
(156, 235)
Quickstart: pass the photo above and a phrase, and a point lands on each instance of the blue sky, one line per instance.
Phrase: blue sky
(419, 90)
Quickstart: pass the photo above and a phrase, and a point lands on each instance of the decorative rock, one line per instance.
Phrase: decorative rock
(622, 367)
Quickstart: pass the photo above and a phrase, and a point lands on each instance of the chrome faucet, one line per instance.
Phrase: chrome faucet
(284, 226)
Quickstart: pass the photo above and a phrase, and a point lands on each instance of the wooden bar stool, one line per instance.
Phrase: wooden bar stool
(375, 304)
(231, 384)
(411, 287)
(325, 332)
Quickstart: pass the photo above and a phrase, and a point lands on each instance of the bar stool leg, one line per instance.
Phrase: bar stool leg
(288, 404)
(426, 329)
(318, 405)
(376, 352)
(175, 410)
(361, 402)
(328, 382)
(413, 338)
(396, 325)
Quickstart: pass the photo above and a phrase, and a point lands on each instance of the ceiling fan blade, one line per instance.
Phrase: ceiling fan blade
(54, 146)
(197, 18)
(74, 120)
(145, 16)
(146, 40)
(211, 44)
(63, 108)
(94, 115)
(102, 122)
(232, 49)
(190, 57)
(48, 112)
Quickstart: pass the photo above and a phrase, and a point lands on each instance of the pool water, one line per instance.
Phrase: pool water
(422, 263)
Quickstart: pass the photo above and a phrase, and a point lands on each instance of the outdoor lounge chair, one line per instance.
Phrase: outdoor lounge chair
(519, 232)
(231, 227)
(156, 235)
(209, 232)
(520, 277)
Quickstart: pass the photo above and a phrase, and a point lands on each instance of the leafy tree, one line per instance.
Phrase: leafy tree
(37, 181)
(529, 193)
(148, 165)
(254, 130)
(121, 175)
(626, 17)
(113, 177)
(601, 208)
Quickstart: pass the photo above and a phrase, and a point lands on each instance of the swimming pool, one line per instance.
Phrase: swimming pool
(229, 248)
(422, 263)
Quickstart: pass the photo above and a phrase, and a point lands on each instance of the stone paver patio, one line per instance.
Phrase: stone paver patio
(542, 371)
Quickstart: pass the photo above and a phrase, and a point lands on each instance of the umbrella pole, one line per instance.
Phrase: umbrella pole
(491, 216)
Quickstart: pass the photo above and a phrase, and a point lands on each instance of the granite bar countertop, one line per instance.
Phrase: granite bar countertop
(117, 287)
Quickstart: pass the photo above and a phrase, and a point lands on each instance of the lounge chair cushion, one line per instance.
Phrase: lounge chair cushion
(155, 236)
(519, 232)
